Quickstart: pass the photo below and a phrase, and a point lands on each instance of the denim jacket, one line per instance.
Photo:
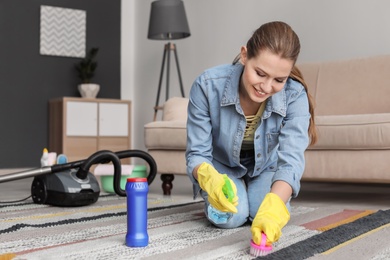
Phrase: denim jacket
(216, 125)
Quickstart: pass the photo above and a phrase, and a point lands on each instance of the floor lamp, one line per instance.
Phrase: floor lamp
(168, 21)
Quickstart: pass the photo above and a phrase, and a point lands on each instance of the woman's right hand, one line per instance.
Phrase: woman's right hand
(212, 182)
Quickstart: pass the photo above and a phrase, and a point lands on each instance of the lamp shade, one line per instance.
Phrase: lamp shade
(168, 20)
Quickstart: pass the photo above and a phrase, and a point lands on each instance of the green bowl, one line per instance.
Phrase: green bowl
(107, 181)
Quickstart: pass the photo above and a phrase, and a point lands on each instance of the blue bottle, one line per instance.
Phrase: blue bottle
(217, 216)
(137, 212)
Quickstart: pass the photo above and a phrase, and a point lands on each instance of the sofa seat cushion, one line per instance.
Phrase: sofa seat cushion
(353, 132)
(166, 135)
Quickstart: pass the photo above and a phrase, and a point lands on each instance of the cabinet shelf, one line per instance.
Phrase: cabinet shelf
(78, 127)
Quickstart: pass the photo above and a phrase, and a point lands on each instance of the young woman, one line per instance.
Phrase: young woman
(251, 121)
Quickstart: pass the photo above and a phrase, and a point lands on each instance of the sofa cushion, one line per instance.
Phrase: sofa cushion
(170, 133)
(349, 87)
(175, 108)
(353, 132)
(166, 135)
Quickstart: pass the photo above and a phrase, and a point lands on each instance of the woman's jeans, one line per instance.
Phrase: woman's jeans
(250, 191)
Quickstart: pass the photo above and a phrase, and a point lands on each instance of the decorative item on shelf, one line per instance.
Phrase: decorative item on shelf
(168, 21)
(86, 70)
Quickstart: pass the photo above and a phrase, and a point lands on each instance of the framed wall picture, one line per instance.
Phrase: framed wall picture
(62, 32)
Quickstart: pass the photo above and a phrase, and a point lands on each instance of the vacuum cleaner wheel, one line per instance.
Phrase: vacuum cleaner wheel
(38, 191)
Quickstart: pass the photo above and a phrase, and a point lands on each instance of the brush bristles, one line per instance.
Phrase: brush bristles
(258, 252)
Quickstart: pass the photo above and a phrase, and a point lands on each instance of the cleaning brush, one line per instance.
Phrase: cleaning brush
(262, 249)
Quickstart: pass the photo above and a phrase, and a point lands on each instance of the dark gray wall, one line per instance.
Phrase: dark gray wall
(29, 80)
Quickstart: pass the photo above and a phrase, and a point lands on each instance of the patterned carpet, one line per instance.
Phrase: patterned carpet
(178, 230)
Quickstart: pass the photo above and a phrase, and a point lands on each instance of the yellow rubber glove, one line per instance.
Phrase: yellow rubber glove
(271, 217)
(212, 182)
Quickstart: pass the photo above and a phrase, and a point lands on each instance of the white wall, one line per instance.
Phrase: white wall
(329, 30)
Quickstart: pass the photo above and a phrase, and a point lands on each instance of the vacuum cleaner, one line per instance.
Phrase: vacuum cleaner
(71, 184)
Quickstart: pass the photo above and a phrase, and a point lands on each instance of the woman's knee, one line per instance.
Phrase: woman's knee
(236, 220)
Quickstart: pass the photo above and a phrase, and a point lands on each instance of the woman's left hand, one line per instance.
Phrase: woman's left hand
(271, 217)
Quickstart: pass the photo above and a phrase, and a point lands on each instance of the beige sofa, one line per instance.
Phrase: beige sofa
(166, 141)
(352, 116)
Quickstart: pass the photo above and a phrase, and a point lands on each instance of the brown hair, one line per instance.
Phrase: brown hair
(279, 38)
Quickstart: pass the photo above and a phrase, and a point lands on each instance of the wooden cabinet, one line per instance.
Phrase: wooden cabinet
(78, 127)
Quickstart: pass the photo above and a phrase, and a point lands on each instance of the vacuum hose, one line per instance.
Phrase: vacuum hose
(99, 157)
(140, 154)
